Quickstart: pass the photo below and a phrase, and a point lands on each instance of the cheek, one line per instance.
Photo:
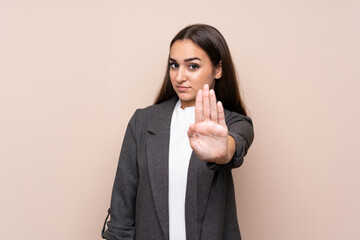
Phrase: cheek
(202, 78)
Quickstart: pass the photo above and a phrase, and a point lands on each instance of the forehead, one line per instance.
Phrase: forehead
(183, 49)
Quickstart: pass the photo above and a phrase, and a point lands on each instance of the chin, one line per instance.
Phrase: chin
(185, 97)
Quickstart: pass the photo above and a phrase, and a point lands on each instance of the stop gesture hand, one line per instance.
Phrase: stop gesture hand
(208, 136)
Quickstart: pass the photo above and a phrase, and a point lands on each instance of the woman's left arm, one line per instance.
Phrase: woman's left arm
(214, 139)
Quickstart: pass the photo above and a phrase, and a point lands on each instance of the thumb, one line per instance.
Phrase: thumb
(191, 131)
(192, 136)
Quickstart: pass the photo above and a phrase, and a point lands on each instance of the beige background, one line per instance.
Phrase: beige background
(73, 71)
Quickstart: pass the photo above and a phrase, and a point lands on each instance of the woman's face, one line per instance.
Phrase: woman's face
(190, 70)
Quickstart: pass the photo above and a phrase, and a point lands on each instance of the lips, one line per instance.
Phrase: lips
(182, 88)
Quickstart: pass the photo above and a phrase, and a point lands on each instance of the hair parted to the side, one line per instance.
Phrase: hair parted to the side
(213, 43)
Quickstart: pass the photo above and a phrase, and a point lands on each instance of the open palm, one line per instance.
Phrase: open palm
(208, 136)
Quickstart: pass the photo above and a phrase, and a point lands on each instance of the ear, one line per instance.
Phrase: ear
(218, 70)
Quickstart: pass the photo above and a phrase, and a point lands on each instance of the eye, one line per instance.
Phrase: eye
(193, 66)
(173, 65)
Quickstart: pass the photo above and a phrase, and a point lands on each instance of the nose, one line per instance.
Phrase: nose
(181, 75)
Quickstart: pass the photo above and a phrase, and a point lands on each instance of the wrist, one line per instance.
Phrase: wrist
(230, 151)
(231, 148)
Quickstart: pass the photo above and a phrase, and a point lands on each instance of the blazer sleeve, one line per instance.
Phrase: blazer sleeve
(240, 127)
(123, 198)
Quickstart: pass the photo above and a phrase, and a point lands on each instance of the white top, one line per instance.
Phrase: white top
(179, 158)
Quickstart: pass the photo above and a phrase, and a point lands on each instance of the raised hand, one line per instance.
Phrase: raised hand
(208, 136)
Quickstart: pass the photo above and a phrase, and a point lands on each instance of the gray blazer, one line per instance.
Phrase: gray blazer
(139, 202)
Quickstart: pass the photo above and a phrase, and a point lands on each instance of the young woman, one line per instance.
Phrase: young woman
(174, 178)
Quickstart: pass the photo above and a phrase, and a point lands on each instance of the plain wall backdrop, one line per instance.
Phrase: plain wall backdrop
(72, 73)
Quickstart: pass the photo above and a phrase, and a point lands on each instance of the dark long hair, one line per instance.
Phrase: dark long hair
(213, 43)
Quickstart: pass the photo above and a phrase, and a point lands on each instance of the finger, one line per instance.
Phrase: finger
(221, 114)
(192, 136)
(213, 108)
(191, 131)
(206, 103)
(198, 107)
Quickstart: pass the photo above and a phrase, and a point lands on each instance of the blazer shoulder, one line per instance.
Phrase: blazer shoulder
(140, 117)
(234, 116)
(154, 117)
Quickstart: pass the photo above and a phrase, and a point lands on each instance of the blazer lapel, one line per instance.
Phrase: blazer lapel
(158, 159)
(198, 188)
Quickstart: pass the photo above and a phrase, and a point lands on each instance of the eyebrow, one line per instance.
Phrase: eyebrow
(186, 60)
